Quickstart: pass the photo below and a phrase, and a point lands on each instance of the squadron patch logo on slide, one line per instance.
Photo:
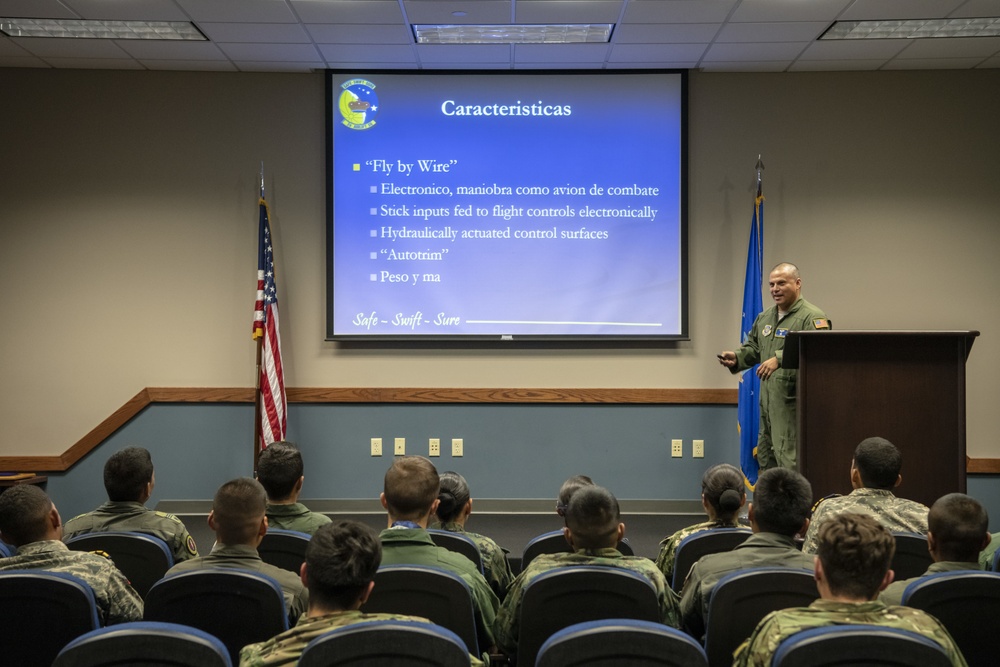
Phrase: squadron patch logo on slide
(358, 104)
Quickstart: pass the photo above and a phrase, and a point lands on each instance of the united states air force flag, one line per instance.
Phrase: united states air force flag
(748, 411)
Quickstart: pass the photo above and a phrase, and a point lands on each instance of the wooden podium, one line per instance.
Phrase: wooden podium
(906, 386)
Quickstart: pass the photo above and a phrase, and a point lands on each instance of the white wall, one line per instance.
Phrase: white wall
(128, 254)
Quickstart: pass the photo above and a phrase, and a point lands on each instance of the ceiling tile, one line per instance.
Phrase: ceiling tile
(746, 66)
(271, 33)
(22, 61)
(51, 47)
(678, 11)
(942, 47)
(862, 10)
(170, 50)
(756, 52)
(658, 33)
(271, 66)
(439, 11)
(797, 31)
(190, 65)
(368, 53)
(932, 63)
(94, 63)
(133, 10)
(835, 65)
(567, 11)
(758, 11)
(561, 53)
(360, 34)
(275, 52)
(639, 53)
(39, 9)
(854, 49)
(348, 11)
(467, 54)
(238, 11)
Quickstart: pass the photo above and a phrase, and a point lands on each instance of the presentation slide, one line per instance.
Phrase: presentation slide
(507, 206)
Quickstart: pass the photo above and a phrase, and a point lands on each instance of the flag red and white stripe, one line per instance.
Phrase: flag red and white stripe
(271, 394)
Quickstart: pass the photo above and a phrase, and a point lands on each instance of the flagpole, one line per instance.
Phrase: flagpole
(256, 393)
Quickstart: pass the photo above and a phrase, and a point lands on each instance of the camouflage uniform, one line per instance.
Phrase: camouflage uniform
(509, 617)
(777, 626)
(295, 516)
(285, 649)
(136, 517)
(116, 601)
(759, 550)
(896, 514)
(414, 546)
(244, 557)
(893, 593)
(495, 565)
(778, 434)
(668, 546)
(986, 556)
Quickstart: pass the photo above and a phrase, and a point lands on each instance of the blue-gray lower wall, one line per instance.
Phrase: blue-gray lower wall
(511, 450)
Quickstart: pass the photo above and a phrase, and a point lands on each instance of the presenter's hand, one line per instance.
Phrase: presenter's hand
(766, 368)
(727, 359)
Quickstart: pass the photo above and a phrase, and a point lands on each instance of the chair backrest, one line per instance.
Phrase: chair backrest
(145, 644)
(458, 543)
(851, 645)
(6, 550)
(284, 548)
(614, 642)
(44, 611)
(440, 596)
(995, 564)
(574, 594)
(959, 599)
(741, 599)
(702, 543)
(912, 556)
(238, 607)
(142, 558)
(554, 542)
(386, 643)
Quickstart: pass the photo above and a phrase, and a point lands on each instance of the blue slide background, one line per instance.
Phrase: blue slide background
(624, 130)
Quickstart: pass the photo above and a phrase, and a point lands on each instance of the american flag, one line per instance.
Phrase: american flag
(265, 324)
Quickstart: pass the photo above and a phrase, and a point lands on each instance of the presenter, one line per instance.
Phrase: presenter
(764, 346)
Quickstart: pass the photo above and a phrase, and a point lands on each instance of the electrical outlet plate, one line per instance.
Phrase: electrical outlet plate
(434, 447)
(376, 446)
(399, 447)
(457, 447)
(676, 448)
(698, 449)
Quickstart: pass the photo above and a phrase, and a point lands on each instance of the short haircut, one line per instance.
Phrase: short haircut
(126, 474)
(238, 508)
(782, 500)
(959, 524)
(341, 558)
(411, 487)
(856, 552)
(878, 462)
(279, 467)
(792, 270)
(722, 486)
(24, 511)
(453, 496)
(568, 488)
(592, 518)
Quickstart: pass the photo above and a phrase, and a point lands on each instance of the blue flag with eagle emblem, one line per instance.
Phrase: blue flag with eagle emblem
(748, 410)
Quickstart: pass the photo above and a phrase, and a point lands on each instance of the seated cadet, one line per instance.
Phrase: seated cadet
(30, 521)
(453, 511)
(958, 529)
(874, 474)
(780, 510)
(568, 488)
(279, 470)
(722, 496)
(986, 555)
(129, 481)
(238, 520)
(852, 566)
(593, 528)
(410, 497)
(341, 561)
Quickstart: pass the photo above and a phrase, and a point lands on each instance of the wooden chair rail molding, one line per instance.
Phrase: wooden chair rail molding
(151, 395)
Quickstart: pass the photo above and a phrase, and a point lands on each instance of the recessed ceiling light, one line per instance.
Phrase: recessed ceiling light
(87, 29)
(914, 28)
(513, 34)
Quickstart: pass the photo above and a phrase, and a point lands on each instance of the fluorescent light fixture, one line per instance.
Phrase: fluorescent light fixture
(85, 29)
(553, 33)
(914, 28)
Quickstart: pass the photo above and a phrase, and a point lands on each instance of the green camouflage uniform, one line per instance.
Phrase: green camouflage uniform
(668, 546)
(893, 593)
(285, 649)
(777, 626)
(295, 516)
(509, 617)
(495, 565)
(896, 514)
(759, 550)
(135, 516)
(776, 439)
(414, 546)
(244, 557)
(116, 601)
(986, 556)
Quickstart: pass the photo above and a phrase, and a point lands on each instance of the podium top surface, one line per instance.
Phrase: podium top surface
(790, 357)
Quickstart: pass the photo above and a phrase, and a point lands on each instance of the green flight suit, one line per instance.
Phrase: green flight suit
(134, 516)
(295, 516)
(776, 438)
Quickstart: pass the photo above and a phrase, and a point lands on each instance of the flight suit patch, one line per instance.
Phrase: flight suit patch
(781, 333)
(821, 323)
(766, 331)
(191, 546)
